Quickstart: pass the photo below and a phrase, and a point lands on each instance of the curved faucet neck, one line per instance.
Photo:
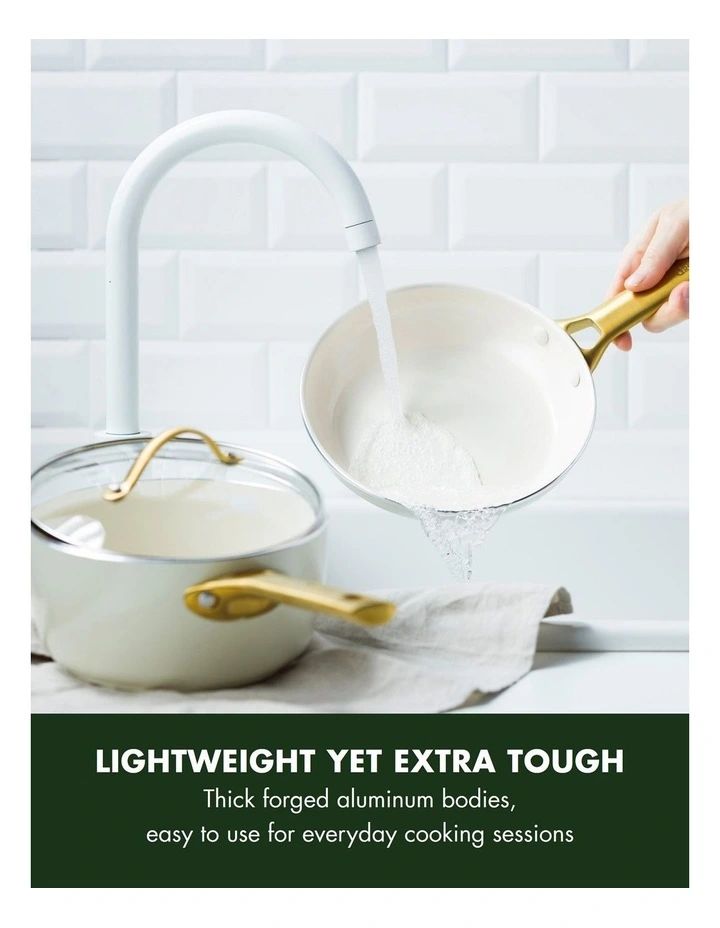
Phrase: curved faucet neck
(127, 209)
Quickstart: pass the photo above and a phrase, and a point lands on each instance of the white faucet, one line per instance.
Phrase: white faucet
(129, 203)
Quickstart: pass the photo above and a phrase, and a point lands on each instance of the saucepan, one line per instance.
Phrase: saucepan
(512, 386)
(179, 562)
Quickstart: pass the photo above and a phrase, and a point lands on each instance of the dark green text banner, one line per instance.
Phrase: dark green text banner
(398, 801)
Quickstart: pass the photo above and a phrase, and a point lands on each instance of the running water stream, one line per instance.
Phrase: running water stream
(371, 270)
(416, 462)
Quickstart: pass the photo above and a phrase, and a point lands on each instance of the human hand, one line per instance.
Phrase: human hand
(646, 258)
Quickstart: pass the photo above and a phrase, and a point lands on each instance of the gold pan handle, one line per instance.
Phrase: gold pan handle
(251, 594)
(623, 311)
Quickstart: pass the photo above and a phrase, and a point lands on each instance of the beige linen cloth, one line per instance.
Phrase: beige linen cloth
(445, 649)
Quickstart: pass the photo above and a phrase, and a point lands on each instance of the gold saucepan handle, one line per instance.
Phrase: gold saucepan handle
(244, 596)
(622, 312)
(119, 491)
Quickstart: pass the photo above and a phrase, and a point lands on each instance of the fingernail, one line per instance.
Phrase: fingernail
(634, 279)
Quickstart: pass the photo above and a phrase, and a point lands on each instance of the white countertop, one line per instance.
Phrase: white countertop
(614, 681)
(581, 665)
(580, 681)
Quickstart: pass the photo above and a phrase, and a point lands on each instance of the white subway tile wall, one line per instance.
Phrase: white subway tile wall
(324, 102)
(579, 206)
(614, 117)
(58, 204)
(451, 117)
(196, 205)
(559, 54)
(84, 115)
(519, 166)
(68, 294)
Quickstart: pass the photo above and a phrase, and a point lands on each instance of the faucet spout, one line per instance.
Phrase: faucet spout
(122, 331)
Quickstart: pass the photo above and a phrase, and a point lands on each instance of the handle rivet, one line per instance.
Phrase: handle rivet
(576, 379)
(542, 336)
(207, 600)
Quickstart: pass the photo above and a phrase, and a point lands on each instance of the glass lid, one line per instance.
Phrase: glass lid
(185, 498)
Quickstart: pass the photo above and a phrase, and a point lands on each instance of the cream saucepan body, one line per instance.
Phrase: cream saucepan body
(179, 563)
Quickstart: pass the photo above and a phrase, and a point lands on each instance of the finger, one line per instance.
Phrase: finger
(668, 241)
(675, 311)
(627, 268)
(632, 255)
(624, 341)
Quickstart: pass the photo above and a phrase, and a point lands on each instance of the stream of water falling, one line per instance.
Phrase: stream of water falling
(416, 462)
(371, 269)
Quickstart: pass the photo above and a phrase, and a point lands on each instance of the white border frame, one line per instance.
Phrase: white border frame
(351, 907)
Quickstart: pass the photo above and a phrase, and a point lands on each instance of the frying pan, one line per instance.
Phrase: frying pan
(512, 386)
